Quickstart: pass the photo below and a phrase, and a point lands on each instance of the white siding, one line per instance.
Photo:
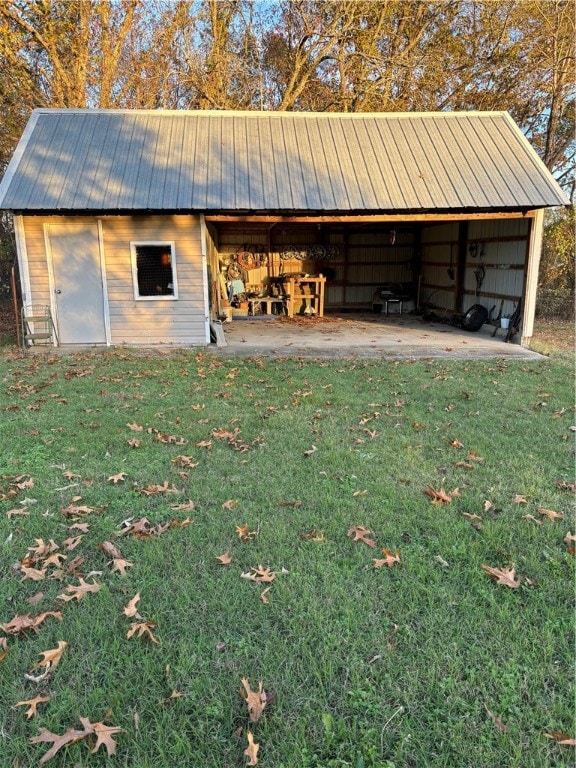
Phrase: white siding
(182, 321)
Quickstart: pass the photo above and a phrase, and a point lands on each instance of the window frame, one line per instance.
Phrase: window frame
(134, 244)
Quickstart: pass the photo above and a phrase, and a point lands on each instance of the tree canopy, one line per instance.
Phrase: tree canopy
(321, 55)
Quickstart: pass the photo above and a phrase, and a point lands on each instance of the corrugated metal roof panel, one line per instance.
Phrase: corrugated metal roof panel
(107, 160)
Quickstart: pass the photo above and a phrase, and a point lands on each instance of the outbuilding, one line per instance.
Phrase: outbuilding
(145, 227)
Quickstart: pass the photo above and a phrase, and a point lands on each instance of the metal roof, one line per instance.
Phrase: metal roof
(125, 160)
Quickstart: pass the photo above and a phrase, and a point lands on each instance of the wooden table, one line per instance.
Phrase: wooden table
(308, 289)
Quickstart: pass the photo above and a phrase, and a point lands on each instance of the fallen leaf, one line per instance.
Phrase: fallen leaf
(245, 533)
(134, 442)
(72, 542)
(264, 595)
(503, 576)
(520, 499)
(456, 444)
(441, 562)
(550, 514)
(361, 534)
(570, 538)
(314, 535)
(259, 574)
(184, 462)
(52, 657)
(130, 607)
(32, 704)
(37, 598)
(185, 507)
(78, 591)
(497, 720)
(532, 519)
(441, 497)
(488, 505)
(135, 427)
(27, 622)
(58, 741)
(225, 559)
(153, 489)
(309, 452)
(144, 629)
(104, 735)
(389, 560)
(256, 700)
(251, 750)
(34, 574)
(560, 738)
(119, 478)
(120, 565)
(230, 504)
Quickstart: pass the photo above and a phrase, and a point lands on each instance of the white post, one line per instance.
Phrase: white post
(534, 250)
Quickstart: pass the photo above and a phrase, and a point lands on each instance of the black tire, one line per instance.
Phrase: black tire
(475, 318)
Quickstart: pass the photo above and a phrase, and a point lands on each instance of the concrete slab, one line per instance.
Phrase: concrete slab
(364, 336)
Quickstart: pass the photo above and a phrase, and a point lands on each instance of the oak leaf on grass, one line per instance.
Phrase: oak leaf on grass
(119, 478)
(144, 629)
(497, 720)
(245, 533)
(361, 534)
(103, 733)
(255, 700)
(53, 656)
(389, 560)
(251, 750)
(130, 607)
(32, 704)
(259, 574)
(441, 497)
(78, 591)
(26, 622)
(505, 576)
(550, 514)
(224, 559)
(560, 738)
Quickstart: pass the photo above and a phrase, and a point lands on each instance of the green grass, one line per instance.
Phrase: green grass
(372, 668)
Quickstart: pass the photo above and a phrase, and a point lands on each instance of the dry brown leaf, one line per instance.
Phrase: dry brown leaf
(58, 741)
(310, 451)
(456, 444)
(570, 538)
(52, 657)
(34, 574)
(225, 559)
(35, 599)
(230, 504)
(119, 478)
(32, 704)
(144, 629)
(27, 622)
(72, 542)
(251, 750)
(120, 565)
(110, 549)
(78, 591)
(153, 489)
(532, 519)
(184, 462)
(560, 738)
(441, 497)
(503, 576)
(130, 607)
(361, 534)
(264, 595)
(135, 427)
(314, 535)
(256, 700)
(550, 514)
(497, 720)
(520, 499)
(134, 442)
(259, 574)
(389, 560)
(245, 533)
(104, 734)
(185, 507)
(82, 527)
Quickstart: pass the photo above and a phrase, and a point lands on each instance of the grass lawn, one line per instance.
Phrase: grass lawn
(427, 662)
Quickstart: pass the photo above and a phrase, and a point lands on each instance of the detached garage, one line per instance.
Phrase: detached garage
(143, 227)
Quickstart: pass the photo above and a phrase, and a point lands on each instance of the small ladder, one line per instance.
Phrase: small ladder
(37, 325)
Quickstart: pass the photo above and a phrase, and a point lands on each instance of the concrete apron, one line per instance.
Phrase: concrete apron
(363, 336)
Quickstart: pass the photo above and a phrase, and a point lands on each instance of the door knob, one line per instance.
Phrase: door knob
(57, 290)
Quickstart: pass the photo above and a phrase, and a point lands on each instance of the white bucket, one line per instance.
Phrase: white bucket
(505, 323)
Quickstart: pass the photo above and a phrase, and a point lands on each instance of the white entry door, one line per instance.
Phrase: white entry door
(78, 283)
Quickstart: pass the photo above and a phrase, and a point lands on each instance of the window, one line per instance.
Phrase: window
(154, 270)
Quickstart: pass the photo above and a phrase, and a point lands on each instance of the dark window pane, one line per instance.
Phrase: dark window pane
(154, 270)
